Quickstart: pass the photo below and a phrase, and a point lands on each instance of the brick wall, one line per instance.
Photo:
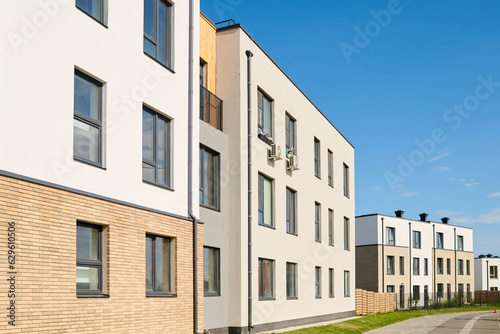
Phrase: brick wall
(368, 302)
(46, 299)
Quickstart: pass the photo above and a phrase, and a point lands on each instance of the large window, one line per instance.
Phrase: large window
(347, 284)
(265, 121)
(426, 266)
(460, 269)
(317, 222)
(155, 148)
(494, 272)
(158, 30)
(468, 267)
(401, 265)
(291, 280)
(89, 259)
(317, 158)
(209, 178)
(440, 266)
(211, 271)
(317, 282)
(291, 211)
(391, 236)
(94, 8)
(390, 265)
(290, 129)
(87, 122)
(416, 239)
(416, 291)
(460, 243)
(330, 168)
(448, 266)
(346, 234)
(330, 228)
(159, 266)
(331, 283)
(266, 279)
(440, 290)
(266, 215)
(416, 266)
(346, 181)
(439, 240)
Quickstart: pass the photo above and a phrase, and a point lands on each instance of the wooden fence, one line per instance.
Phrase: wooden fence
(368, 302)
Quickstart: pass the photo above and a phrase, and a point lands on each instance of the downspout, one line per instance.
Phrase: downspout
(487, 276)
(434, 258)
(190, 164)
(455, 246)
(383, 258)
(249, 125)
(411, 260)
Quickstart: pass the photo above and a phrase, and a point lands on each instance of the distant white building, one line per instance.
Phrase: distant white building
(486, 272)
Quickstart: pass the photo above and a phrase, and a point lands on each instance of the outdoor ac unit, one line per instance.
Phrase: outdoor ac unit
(293, 164)
(275, 152)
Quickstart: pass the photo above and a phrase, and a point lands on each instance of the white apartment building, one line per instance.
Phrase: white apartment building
(417, 258)
(95, 169)
(486, 272)
(286, 256)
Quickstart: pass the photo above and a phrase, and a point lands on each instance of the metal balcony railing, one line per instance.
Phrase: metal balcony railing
(210, 108)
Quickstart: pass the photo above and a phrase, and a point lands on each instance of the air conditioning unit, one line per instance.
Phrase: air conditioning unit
(293, 164)
(274, 152)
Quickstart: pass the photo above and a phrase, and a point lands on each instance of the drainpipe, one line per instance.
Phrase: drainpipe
(487, 276)
(190, 164)
(411, 260)
(455, 247)
(434, 258)
(249, 125)
(383, 258)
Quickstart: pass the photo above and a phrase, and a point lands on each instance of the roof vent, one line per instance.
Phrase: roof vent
(423, 217)
(399, 213)
(445, 220)
(482, 256)
(489, 255)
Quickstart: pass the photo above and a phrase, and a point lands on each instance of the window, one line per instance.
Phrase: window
(330, 227)
(331, 283)
(266, 215)
(448, 266)
(291, 280)
(401, 296)
(468, 267)
(211, 271)
(203, 74)
(347, 284)
(390, 289)
(317, 222)
(155, 148)
(416, 239)
(87, 122)
(317, 157)
(439, 240)
(440, 266)
(291, 146)
(265, 121)
(391, 236)
(209, 178)
(330, 168)
(448, 291)
(346, 233)
(460, 243)
(291, 211)
(390, 265)
(426, 293)
(158, 266)
(89, 260)
(468, 292)
(346, 181)
(460, 267)
(426, 267)
(266, 279)
(158, 31)
(416, 291)
(94, 8)
(440, 290)
(460, 289)
(494, 288)
(401, 265)
(416, 266)
(317, 282)
(493, 272)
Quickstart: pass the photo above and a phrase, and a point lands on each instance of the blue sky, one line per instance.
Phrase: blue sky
(414, 86)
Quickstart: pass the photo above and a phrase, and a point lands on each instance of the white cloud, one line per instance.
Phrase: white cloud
(441, 169)
(471, 185)
(449, 213)
(439, 157)
(409, 194)
(491, 217)
(376, 188)
(494, 195)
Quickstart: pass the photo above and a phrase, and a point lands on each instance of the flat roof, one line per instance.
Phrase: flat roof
(413, 220)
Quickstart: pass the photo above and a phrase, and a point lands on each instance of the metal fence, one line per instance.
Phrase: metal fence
(210, 108)
(433, 300)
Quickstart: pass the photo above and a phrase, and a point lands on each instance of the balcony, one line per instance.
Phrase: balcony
(210, 108)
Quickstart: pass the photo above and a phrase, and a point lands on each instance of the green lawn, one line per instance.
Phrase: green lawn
(370, 322)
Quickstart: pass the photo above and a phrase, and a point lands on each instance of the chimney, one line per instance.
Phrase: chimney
(489, 256)
(423, 217)
(482, 256)
(445, 220)
(399, 213)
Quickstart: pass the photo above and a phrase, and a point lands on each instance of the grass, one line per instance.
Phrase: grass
(369, 322)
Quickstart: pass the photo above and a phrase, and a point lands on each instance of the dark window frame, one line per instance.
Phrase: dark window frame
(391, 265)
(417, 242)
(261, 115)
(215, 178)
(154, 293)
(439, 240)
(93, 263)
(217, 293)
(426, 267)
(346, 181)
(317, 283)
(169, 34)
(347, 283)
(289, 267)
(460, 243)
(331, 282)
(460, 267)
(101, 19)
(401, 265)
(347, 234)
(261, 279)
(290, 133)
(416, 266)
(291, 211)
(262, 198)
(391, 236)
(317, 222)
(331, 228)
(448, 266)
(330, 168)
(317, 158)
(440, 266)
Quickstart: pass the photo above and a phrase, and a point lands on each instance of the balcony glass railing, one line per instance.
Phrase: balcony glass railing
(210, 108)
